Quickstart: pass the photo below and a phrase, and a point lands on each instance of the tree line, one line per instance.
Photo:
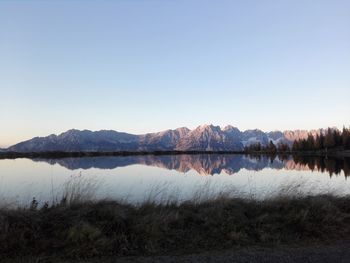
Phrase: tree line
(331, 139)
(269, 148)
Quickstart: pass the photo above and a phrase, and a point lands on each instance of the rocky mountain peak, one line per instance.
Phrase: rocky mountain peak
(204, 137)
(230, 127)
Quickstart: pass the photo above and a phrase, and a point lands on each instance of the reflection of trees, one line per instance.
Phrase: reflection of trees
(325, 164)
(283, 157)
(347, 166)
(210, 164)
(311, 164)
(256, 157)
(271, 157)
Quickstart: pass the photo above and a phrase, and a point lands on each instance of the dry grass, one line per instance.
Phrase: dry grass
(79, 227)
(93, 229)
(79, 189)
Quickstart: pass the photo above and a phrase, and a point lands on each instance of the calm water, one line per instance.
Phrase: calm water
(180, 177)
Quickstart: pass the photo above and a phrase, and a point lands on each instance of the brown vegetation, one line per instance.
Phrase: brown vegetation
(108, 228)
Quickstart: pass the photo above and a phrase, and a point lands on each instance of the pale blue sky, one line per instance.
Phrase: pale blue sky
(143, 66)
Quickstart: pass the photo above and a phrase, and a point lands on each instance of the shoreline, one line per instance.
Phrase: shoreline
(61, 154)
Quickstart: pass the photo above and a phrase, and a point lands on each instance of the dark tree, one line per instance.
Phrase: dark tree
(283, 148)
(346, 138)
(329, 139)
(272, 147)
(310, 142)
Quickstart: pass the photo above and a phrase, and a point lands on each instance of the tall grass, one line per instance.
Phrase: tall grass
(109, 228)
(79, 226)
(79, 189)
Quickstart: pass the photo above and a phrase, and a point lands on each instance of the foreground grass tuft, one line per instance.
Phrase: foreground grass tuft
(106, 228)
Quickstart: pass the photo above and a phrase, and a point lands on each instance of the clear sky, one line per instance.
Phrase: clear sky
(143, 66)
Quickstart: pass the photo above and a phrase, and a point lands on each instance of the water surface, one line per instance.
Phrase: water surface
(173, 177)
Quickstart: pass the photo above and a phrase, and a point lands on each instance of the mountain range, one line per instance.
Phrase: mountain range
(202, 138)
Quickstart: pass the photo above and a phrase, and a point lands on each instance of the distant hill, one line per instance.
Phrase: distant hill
(202, 138)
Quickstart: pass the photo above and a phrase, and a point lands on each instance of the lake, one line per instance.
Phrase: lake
(162, 178)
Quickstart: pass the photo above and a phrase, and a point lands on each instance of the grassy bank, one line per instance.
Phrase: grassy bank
(108, 228)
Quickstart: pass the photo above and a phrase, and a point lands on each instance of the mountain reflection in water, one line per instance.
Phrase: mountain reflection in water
(210, 164)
